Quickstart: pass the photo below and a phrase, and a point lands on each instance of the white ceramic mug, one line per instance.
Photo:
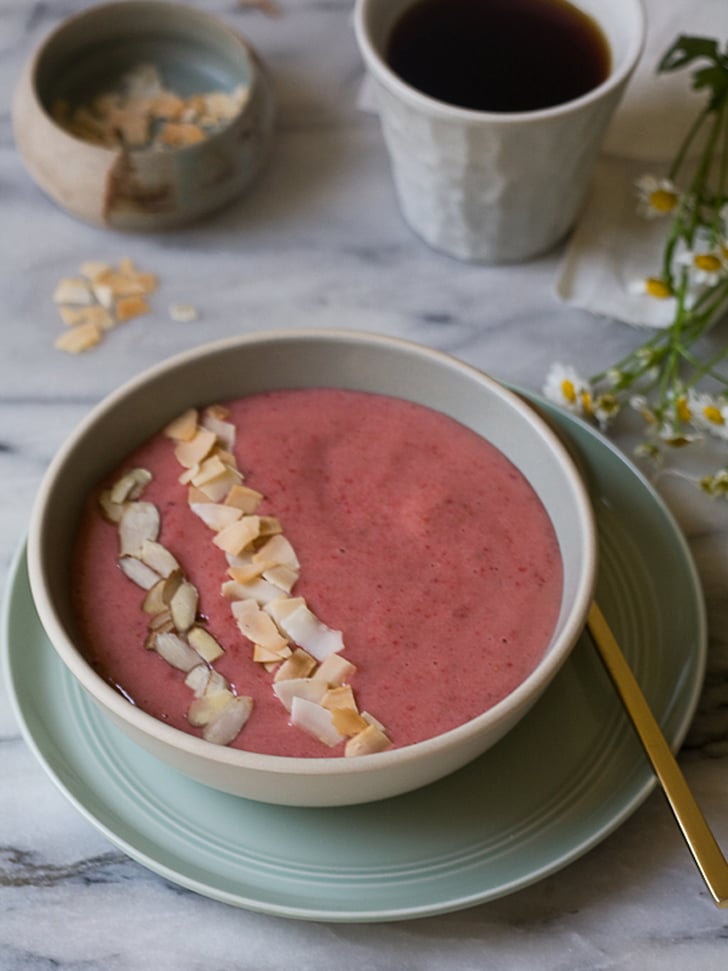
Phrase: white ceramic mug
(494, 187)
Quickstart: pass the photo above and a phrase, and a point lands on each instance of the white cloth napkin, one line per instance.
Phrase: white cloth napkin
(612, 245)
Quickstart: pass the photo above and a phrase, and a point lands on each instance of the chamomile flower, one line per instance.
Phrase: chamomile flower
(706, 265)
(657, 197)
(708, 413)
(566, 387)
(651, 286)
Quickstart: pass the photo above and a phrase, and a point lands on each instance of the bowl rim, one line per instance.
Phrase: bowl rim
(187, 744)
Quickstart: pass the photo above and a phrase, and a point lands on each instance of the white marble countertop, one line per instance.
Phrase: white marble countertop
(319, 241)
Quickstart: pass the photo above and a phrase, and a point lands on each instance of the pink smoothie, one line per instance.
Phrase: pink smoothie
(417, 539)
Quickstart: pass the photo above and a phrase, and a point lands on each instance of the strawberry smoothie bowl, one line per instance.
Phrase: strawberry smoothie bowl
(312, 567)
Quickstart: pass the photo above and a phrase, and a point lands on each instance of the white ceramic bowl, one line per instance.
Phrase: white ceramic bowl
(142, 189)
(295, 359)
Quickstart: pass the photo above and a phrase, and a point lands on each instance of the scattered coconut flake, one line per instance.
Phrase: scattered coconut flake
(73, 290)
(239, 535)
(260, 591)
(129, 307)
(192, 452)
(335, 670)
(304, 627)
(184, 427)
(216, 515)
(243, 498)
(299, 665)
(315, 720)
(291, 688)
(183, 313)
(367, 742)
(79, 339)
(257, 626)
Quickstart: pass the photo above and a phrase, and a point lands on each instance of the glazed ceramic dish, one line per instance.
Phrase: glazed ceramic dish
(300, 359)
(142, 188)
(574, 766)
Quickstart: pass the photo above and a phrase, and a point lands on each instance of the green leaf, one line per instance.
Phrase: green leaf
(687, 49)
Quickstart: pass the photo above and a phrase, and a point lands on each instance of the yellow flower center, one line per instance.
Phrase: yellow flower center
(662, 200)
(682, 408)
(706, 261)
(568, 391)
(586, 403)
(655, 287)
(714, 415)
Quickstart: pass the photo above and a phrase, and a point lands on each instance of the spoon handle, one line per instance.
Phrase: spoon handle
(695, 829)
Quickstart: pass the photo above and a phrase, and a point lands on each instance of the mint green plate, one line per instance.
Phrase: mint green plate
(566, 777)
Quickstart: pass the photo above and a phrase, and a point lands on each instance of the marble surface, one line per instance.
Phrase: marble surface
(319, 241)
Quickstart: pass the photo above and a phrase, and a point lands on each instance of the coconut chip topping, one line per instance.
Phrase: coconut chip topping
(141, 113)
(310, 675)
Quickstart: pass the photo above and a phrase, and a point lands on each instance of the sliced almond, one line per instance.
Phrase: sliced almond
(299, 665)
(158, 558)
(161, 621)
(208, 707)
(183, 606)
(227, 726)
(138, 572)
(184, 427)
(367, 742)
(154, 602)
(197, 679)
(139, 522)
(130, 485)
(205, 644)
(176, 651)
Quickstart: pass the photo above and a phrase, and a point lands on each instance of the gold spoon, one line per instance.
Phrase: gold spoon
(695, 829)
(701, 842)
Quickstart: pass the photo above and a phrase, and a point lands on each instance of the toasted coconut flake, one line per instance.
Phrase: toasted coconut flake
(217, 488)
(340, 697)
(227, 726)
(246, 573)
(260, 591)
(93, 269)
(205, 644)
(130, 485)
(264, 655)
(299, 665)
(183, 313)
(315, 720)
(176, 651)
(139, 522)
(282, 607)
(104, 294)
(193, 451)
(215, 515)
(270, 525)
(304, 627)
(179, 134)
(276, 551)
(139, 573)
(79, 339)
(292, 688)
(184, 427)
(348, 722)
(183, 606)
(159, 558)
(282, 577)
(212, 467)
(129, 307)
(94, 315)
(73, 290)
(224, 430)
(207, 707)
(367, 742)
(243, 498)
(238, 536)
(257, 626)
(335, 670)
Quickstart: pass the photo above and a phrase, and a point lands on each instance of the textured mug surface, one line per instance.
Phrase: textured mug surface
(494, 187)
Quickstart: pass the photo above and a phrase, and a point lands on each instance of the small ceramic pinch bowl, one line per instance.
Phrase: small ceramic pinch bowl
(309, 359)
(143, 116)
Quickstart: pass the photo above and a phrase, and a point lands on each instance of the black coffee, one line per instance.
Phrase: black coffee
(498, 55)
